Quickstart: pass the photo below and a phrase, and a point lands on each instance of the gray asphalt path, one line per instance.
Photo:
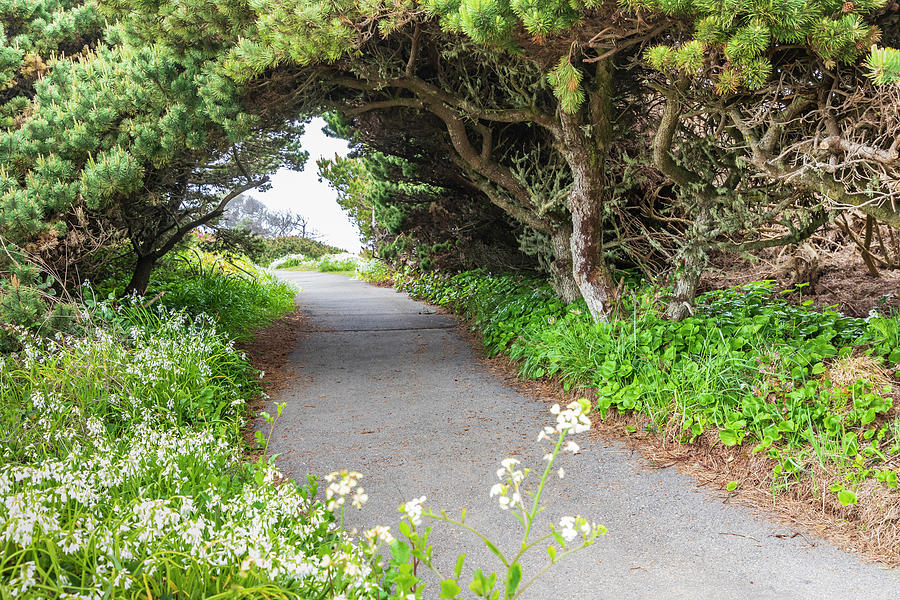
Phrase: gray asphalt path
(387, 387)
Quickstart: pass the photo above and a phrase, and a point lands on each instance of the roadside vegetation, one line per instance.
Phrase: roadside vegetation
(122, 471)
(806, 397)
(342, 263)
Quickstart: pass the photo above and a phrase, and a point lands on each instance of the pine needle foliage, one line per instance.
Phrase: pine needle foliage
(735, 41)
(884, 65)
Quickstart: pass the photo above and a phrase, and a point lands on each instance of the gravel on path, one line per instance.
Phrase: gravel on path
(386, 386)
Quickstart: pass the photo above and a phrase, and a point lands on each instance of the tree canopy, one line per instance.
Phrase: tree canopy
(644, 133)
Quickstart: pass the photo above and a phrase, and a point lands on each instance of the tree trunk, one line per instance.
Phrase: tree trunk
(694, 258)
(585, 143)
(562, 278)
(588, 265)
(140, 277)
(686, 284)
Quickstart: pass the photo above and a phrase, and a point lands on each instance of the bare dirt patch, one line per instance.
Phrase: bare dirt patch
(833, 269)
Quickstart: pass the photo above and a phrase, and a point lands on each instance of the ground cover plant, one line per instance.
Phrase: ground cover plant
(121, 467)
(810, 392)
(344, 263)
(375, 271)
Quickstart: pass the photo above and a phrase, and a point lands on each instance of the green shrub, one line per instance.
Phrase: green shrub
(374, 271)
(331, 263)
(280, 246)
(747, 365)
(28, 302)
(290, 261)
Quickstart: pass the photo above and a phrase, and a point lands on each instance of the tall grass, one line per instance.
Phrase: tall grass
(239, 297)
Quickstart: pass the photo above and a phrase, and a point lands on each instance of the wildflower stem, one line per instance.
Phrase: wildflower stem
(484, 538)
(540, 490)
(558, 558)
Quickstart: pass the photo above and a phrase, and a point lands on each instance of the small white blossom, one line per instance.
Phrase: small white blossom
(413, 510)
(572, 447)
(379, 532)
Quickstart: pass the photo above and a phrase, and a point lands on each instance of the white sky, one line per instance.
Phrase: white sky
(304, 194)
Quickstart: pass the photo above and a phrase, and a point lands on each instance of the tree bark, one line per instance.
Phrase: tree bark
(140, 276)
(694, 254)
(589, 268)
(585, 150)
(686, 283)
(561, 275)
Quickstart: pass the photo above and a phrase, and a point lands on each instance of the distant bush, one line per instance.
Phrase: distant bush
(281, 246)
(291, 261)
(337, 262)
(328, 263)
(375, 271)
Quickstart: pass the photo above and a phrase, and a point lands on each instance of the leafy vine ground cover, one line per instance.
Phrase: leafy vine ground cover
(747, 370)
(122, 472)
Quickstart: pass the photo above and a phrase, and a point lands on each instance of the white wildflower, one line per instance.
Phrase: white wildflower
(413, 510)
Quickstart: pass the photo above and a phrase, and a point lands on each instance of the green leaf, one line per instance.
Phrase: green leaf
(513, 578)
(404, 528)
(477, 588)
(729, 437)
(846, 497)
(400, 551)
(459, 565)
(449, 589)
(551, 552)
(494, 549)
(732, 485)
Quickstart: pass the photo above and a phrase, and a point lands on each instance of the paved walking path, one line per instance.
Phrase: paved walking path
(387, 387)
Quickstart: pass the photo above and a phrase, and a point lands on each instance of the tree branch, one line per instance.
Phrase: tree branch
(662, 143)
(385, 104)
(203, 220)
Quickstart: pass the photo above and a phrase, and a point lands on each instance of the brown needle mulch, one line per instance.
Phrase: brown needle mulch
(871, 529)
(268, 353)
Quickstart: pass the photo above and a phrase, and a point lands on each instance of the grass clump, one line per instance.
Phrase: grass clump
(375, 271)
(239, 297)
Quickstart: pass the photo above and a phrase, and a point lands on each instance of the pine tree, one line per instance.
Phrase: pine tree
(528, 97)
(735, 42)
